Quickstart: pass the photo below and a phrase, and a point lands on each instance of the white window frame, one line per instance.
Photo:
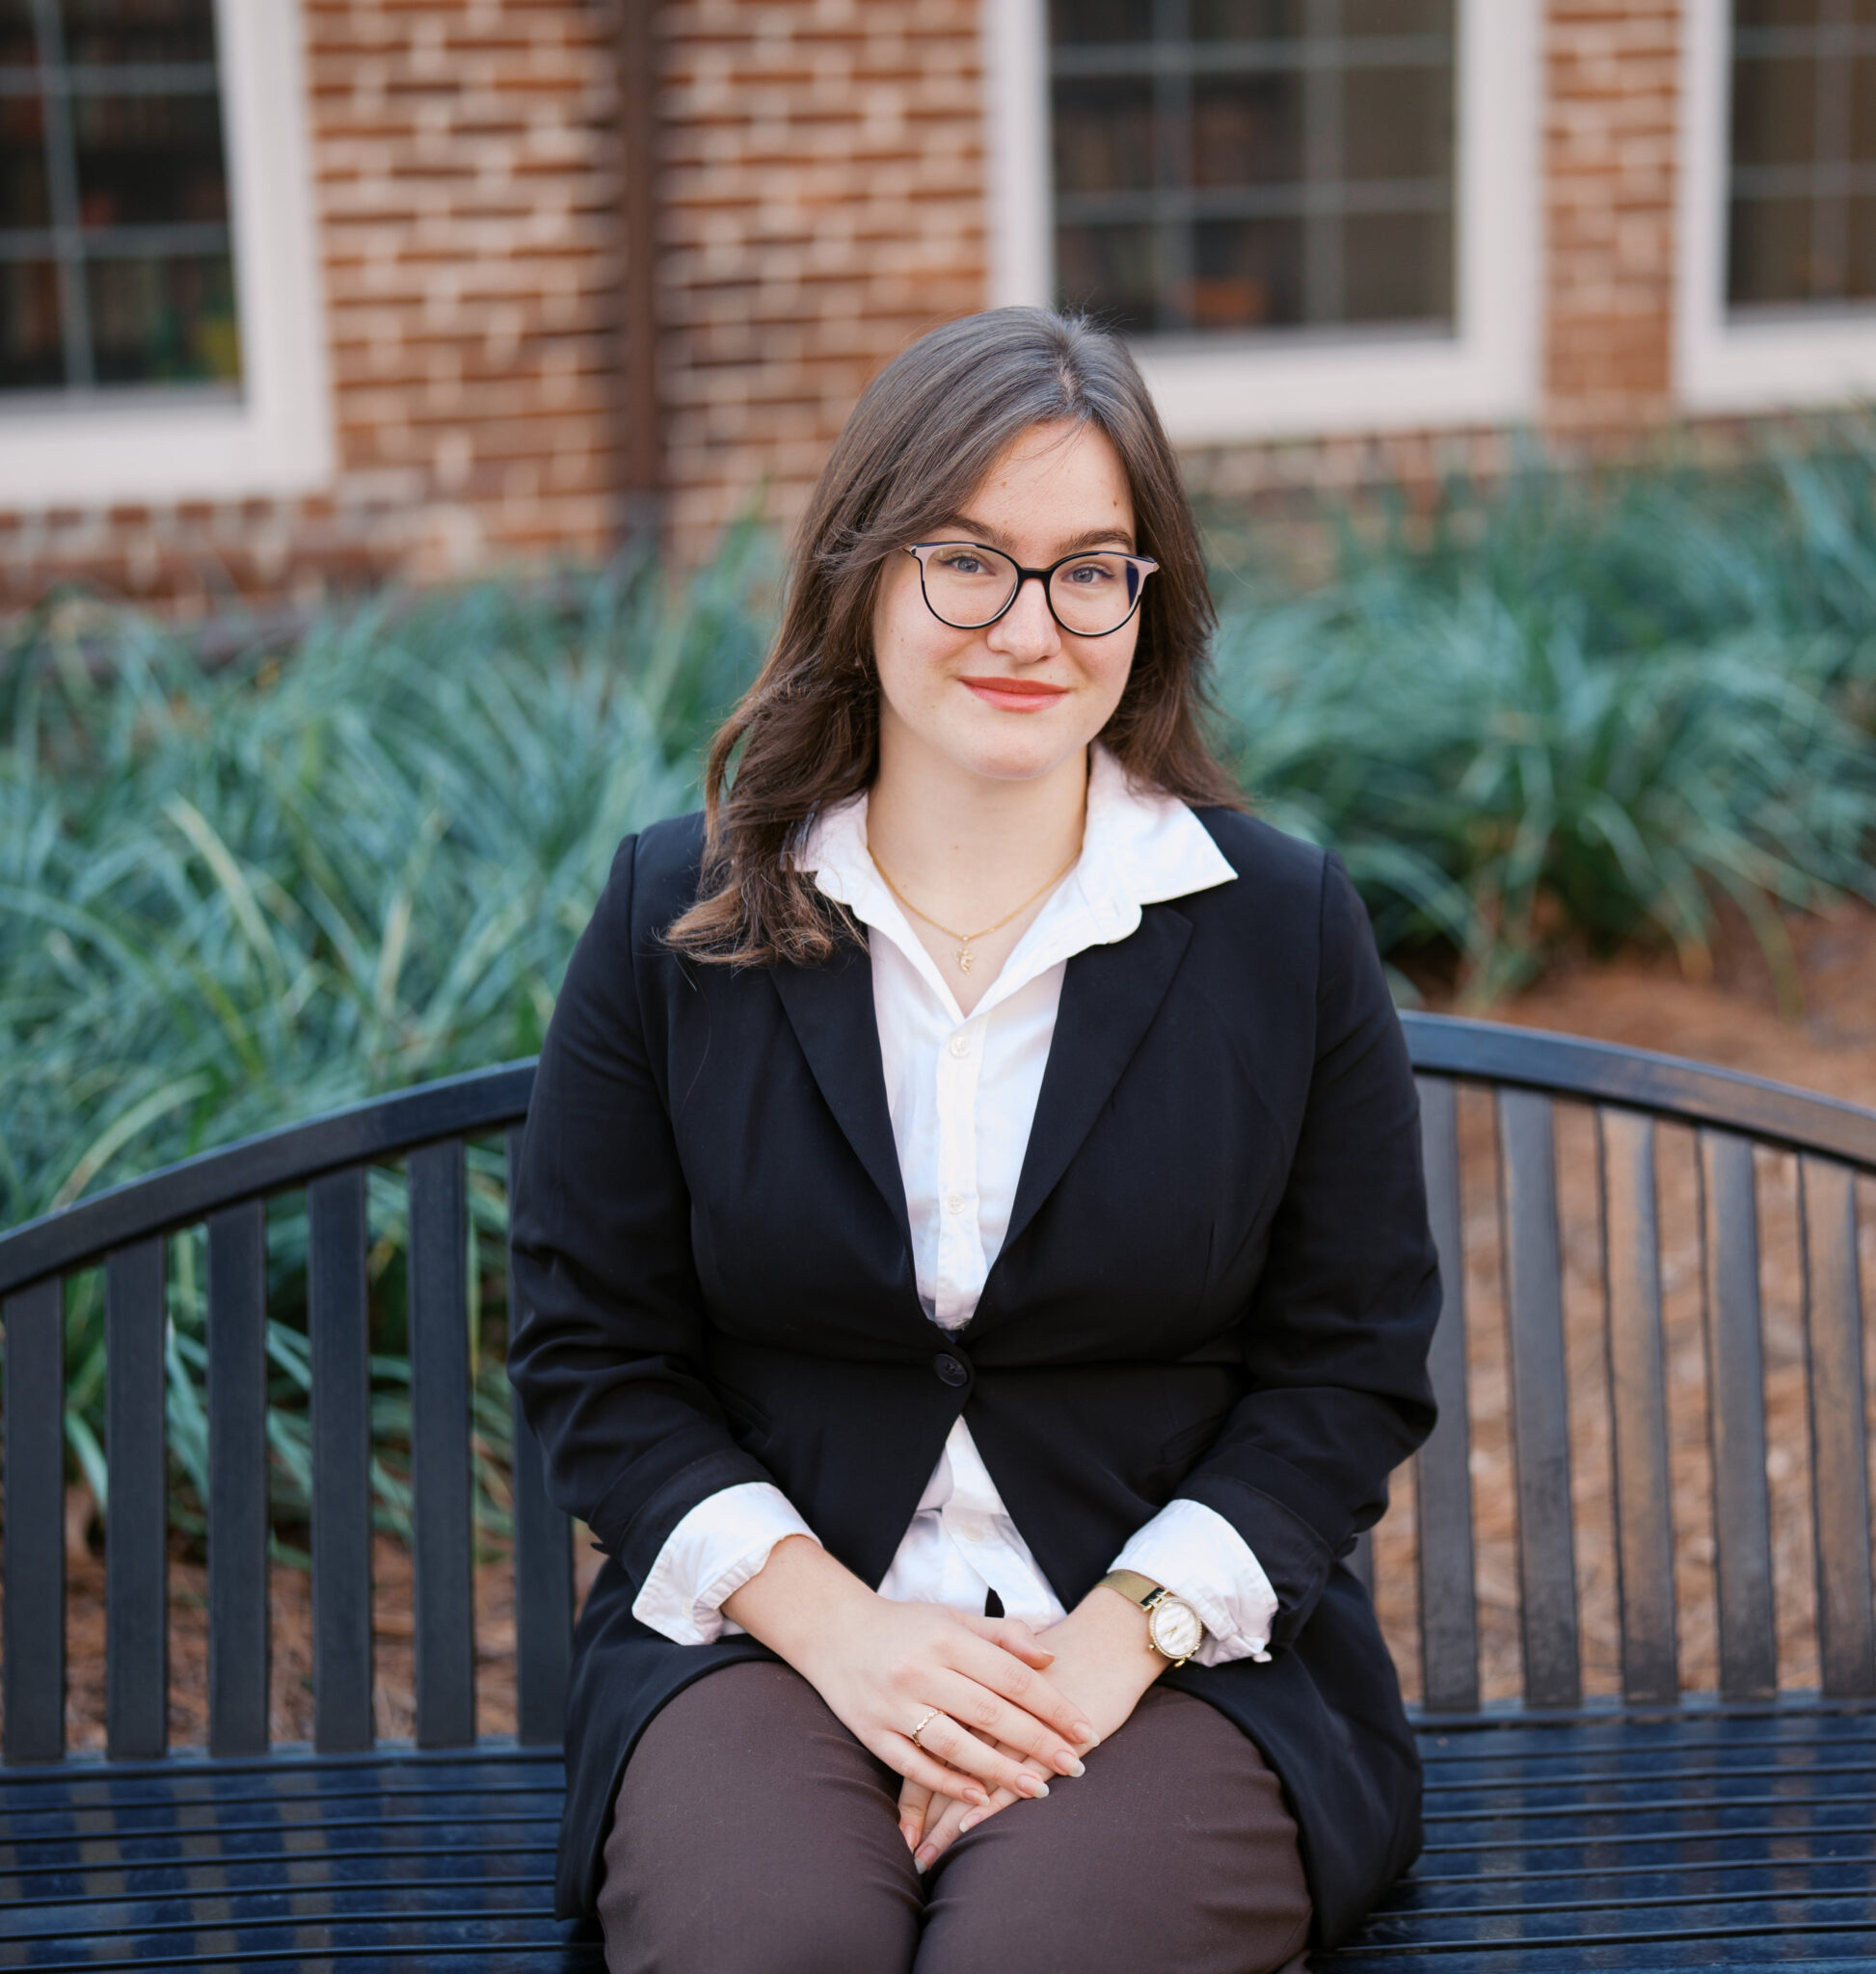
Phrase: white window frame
(276, 436)
(1819, 354)
(1213, 389)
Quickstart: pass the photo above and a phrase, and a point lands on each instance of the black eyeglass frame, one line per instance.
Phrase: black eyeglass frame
(1145, 564)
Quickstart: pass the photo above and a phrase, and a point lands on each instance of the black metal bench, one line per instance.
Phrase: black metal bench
(1645, 1829)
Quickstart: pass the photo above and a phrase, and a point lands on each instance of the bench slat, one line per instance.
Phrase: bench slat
(1539, 1422)
(543, 1562)
(443, 1560)
(237, 1480)
(1749, 1667)
(1839, 1459)
(1449, 1629)
(33, 1644)
(1644, 1541)
(136, 1544)
(336, 1311)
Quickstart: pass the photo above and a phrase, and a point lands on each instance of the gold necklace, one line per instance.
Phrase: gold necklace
(962, 952)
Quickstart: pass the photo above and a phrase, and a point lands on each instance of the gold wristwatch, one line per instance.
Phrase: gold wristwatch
(1173, 1628)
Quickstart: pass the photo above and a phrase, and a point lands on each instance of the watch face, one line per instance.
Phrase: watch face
(1174, 1628)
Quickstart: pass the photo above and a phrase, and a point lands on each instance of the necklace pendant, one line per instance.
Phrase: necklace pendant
(964, 957)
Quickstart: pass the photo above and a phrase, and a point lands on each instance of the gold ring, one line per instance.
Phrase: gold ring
(930, 1717)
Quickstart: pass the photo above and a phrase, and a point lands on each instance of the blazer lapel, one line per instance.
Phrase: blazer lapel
(830, 1008)
(1110, 995)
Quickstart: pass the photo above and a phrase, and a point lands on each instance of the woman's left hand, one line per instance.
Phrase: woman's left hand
(1103, 1662)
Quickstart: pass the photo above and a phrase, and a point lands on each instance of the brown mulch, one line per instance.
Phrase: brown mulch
(1731, 1018)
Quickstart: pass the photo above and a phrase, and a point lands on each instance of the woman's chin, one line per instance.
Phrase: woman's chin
(1013, 747)
(1022, 759)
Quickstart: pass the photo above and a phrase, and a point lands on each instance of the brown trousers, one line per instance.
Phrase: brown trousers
(753, 1835)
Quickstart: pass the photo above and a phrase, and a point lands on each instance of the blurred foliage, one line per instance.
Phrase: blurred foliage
(238, 895)
(1577, 712)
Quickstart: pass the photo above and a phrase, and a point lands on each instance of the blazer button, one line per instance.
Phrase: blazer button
(951, 1370)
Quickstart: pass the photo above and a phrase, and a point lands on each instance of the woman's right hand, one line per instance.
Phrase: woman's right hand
(883, 1665)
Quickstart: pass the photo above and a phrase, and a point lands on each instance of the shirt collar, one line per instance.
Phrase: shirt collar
(1140, 847)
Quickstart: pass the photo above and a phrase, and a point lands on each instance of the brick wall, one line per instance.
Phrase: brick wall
(821, 202)
(468, 188)
(1610, 131)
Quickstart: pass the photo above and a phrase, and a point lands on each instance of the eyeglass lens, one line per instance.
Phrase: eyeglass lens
(966, 586)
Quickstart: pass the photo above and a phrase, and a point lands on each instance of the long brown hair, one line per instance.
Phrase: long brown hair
(921, 440)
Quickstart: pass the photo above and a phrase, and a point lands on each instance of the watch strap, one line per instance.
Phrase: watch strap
(1135, 1587)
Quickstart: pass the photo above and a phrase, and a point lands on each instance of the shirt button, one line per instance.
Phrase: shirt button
(954, 1202)
(960, 1044)
(970, 1529)
(950, 1370)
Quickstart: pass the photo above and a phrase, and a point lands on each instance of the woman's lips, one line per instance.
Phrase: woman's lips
(1016, 694)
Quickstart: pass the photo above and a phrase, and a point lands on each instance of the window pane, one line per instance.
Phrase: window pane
(1246, 20)
(1775, 12)
(1100, 21)
(149, 160)
(1862, 108)
(1396, 122)
(1774, 111)
(1104, 135)
(1399, 266)
(1771, 257)
(1863, 250)
(1111, 271)
(32, 354)
(1396, 16)
(1248, 273)
(1804, 152)
(1248, 131)
(134, 203)
(22, 163)
(18, 45)
(1211, 176)
(164, 321)
(101, 30)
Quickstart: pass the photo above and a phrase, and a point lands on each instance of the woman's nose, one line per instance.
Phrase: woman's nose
(1027, 628)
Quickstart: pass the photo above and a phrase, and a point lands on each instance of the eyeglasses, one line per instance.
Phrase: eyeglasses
(1090, 595)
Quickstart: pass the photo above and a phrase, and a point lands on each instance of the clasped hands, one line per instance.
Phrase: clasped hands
(1008, 1710)
(1099, 1654)
(1000, 1709)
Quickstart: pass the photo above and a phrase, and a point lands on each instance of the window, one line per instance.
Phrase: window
(1802, 212)
(1312, 215)
(118, 261)
(159, 328)
(1778, 211)
(1233, 165)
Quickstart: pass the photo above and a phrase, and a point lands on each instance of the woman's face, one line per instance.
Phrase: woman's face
(1018, 698)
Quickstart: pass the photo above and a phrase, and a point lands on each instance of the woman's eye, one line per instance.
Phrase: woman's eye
(1089, 575)
(961, 564)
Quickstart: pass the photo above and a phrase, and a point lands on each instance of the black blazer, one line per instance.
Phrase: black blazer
(1217, 1282)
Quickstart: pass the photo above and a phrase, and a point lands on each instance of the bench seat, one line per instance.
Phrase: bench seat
(360, 1862)
(1701, 1838)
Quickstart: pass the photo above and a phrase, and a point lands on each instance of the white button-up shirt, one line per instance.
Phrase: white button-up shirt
(962, 1094)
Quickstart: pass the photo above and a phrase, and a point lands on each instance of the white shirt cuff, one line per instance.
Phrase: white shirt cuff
(718, 1547)
(1199, 1556)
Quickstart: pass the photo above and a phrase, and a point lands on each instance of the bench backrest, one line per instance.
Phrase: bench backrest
(1525, 1396)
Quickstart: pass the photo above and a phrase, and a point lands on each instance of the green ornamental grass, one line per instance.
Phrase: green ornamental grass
(234, 896)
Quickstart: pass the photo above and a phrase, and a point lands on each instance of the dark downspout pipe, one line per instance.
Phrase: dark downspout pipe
(641, 451)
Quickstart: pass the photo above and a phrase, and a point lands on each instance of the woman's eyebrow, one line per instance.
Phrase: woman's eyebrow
(995, 538)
